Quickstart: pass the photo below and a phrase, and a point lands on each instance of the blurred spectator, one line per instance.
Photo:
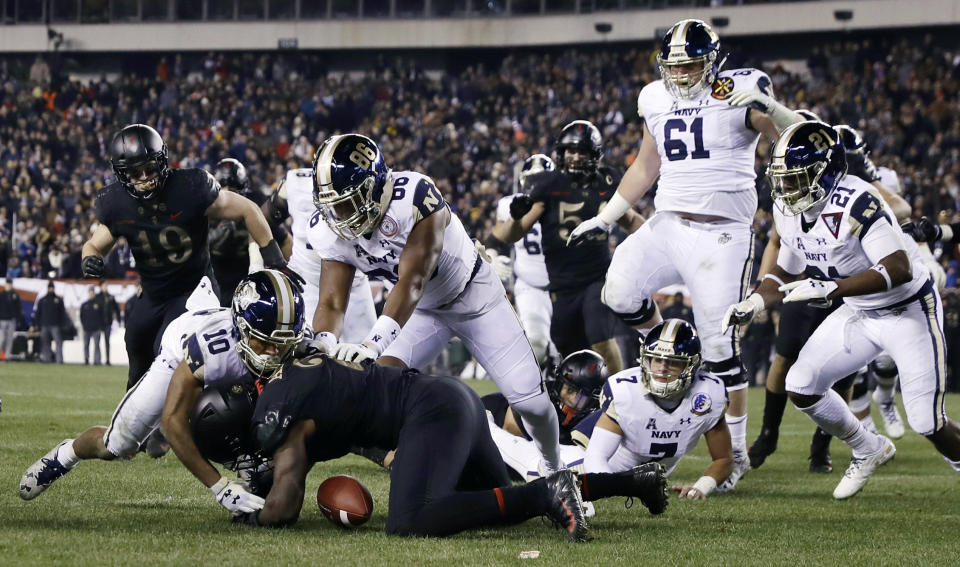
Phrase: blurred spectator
(92, 320)
(50, 316)
(10, 314)
(678, 309)
(110, 312)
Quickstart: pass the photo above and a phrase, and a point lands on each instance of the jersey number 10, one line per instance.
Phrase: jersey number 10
(677, 149)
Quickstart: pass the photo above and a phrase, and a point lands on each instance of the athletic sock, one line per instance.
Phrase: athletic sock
(884, 395)
(519, 503)
(867, 422)
(540, 419)
(832, 414)
(738, 431)
(66, 456)
(773, 407)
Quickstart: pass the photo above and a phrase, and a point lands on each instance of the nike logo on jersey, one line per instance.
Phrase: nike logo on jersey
(175, 215)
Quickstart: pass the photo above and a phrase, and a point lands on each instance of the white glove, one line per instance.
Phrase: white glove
(588, 228)
(356, 352)
(755, 98)
(936, 270)
(807, 290)
(503, 266)
(234, 497)
(743, 312)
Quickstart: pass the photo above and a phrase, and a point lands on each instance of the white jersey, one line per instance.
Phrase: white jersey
(831, 248)
(415, 197)
(651, 433)
(298, 186)
(528, 263)
(706, 149)
(207, 341)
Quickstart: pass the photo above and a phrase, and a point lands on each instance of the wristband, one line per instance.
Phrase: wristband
(219, 485)
(616, 207)
(757, 300)
(882, 270)
(327, 339)
(384, 331)
(705, 484)
(774, 278)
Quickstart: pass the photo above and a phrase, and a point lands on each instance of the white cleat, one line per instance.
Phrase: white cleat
(42, 473)
(892, 422)
(741, 464)
(861, 468)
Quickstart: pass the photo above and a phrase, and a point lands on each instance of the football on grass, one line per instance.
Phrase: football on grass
(345, 501)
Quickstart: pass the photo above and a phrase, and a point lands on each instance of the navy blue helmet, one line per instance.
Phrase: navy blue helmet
(349, 175)
(579, 376)
(688, 58)
(534, 164)
(806, 164)
(851, 139)
(268, 313)
(136, 150)
(583, 136)
(669, 358)
(231, 173)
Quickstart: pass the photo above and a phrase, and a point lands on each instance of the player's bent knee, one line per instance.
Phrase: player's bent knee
(802, 400)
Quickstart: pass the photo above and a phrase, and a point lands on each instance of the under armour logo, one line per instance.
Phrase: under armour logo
(821, 241)
(236, 499)
(686, 420)
(385, 243)
(652, 424)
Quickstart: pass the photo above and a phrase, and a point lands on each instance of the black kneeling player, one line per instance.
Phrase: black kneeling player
(447, 476)
(230, 239)
(560, 200)
(162, 212)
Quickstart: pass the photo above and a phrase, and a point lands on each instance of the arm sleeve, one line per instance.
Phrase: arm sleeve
(789, 260)
(603, 444)
(881, 240)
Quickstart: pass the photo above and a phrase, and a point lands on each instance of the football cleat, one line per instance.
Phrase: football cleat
(566, 507)
(156, 445)
(741, 464)
(820, 462)
(763, 447)
(650, 486)
(42, 473)
(892, 422)
(861, 468)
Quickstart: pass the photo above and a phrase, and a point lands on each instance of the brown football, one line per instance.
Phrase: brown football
(345, 501)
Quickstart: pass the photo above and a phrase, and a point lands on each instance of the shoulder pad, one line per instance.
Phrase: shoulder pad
(539, 183)
(747, 78)
(866, 210)
(193, 355)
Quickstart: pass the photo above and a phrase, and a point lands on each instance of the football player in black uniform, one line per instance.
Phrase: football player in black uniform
(560, 200)
(162, 212)
(230, 239)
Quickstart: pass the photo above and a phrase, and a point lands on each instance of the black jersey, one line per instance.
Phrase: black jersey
(568, 202)
(351, 406)
(167, 234)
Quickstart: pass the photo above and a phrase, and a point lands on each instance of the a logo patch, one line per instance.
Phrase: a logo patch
(724, 238)
(832, 221)
(701, 404)
(389, 227)
(722, 88)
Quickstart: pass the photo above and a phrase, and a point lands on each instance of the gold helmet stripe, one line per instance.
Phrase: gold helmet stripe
(324, 162)
(285, 300)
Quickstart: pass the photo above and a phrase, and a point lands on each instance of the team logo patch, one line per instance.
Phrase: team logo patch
(832, 221)
(701, 404)
(722, 88)
(724, 238)
(389, 227)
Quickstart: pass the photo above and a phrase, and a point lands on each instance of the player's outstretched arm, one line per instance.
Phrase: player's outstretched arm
(528, 213)
(604, 442)
(230, 205)
(291, 466)
(900, 207)
(336, 278)
(182, 396)
(721, 453)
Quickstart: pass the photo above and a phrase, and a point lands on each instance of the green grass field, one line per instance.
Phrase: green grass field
(153, 512)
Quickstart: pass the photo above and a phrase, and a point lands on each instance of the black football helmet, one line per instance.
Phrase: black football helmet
(231, 173)
(534, 164)
(669, 358)
(221, 423)
(686, 44)
(269, 308)
(135, 150)
(349, 175)
(806, 165)
(581, 374)
(583, 136)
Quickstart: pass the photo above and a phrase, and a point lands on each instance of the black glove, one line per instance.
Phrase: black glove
(92, 267)
(859, 165)
(923, 230)
(520, 206)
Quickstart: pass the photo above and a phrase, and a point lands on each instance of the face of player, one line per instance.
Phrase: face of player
(575, 159)
(569, 396)
(687, 74)
(665, 370)
(144, 176)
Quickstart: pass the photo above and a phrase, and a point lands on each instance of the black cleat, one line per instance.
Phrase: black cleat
(566, 508)
(763, 447)
(821, 462)
(651, 486)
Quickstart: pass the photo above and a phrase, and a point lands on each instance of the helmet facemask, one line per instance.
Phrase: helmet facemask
(351, 213)
(666, 374)
(796, 190)
(129, 176)
(686, 83)
(585, 164)
(265, 365)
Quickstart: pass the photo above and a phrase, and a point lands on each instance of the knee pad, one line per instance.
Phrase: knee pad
(730, 371)
(884, 371)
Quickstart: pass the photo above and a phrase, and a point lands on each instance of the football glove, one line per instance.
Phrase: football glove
(923, 230)
(757, 99)
(808, 290)
(589, 228)
(92, 267)
(235, 498)
(936, 270)
(743, 312)
(503, 266)
(356, 352)
(520, 206)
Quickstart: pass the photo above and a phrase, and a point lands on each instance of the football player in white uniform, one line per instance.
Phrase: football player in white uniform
(530, 285)
(659, 410)
(396, 227)
(701, 128)
(200, 345)
(836, 231)
(294, 199)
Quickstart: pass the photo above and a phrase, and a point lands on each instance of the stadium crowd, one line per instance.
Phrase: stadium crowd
(468, 129)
